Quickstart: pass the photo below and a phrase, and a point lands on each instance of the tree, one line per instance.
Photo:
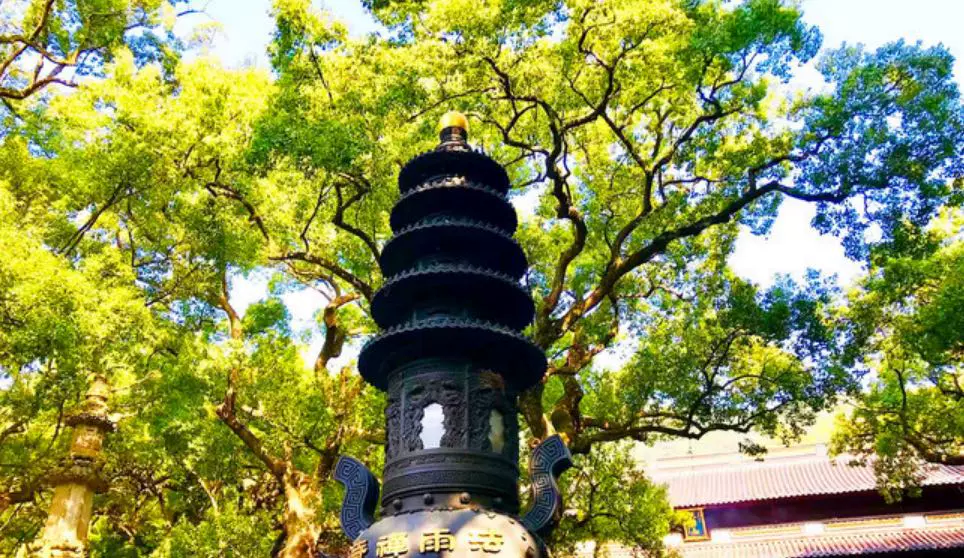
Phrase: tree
(648, 131)
(60, 322)
(905, 323)
(611, 499)
(158, 177)
(642, 133)
(46, 42)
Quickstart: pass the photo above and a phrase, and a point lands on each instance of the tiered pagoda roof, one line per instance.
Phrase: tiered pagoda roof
(452, 271)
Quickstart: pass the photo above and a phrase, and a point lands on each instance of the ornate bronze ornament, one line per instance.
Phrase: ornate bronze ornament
(453, 360)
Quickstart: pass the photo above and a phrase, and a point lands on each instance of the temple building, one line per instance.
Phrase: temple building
(452, 360)
(798, 501)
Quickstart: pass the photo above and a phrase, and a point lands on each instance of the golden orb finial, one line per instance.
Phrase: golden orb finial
(453, 119)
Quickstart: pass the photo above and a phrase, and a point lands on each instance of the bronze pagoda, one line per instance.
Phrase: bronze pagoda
(452, 359)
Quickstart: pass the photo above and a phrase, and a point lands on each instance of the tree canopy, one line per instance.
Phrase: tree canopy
(640, 136)
(904, 324)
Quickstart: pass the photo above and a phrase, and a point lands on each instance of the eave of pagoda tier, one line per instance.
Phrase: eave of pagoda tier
(453, 240)
(474, 166)
(489, 346)
(454, 196)
(454, 291)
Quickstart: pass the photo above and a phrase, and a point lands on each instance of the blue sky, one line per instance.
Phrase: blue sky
(791, 247)
(247, 25)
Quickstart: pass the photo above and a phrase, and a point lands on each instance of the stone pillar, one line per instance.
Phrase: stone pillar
(77, 480)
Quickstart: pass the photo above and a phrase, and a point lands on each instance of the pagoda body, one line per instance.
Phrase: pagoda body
(452, 360)
(77, 480)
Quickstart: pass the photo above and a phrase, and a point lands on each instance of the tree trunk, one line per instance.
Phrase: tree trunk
(299, 519)
(300, 528)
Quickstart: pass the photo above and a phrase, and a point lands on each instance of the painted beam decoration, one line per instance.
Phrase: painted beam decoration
(453, 360)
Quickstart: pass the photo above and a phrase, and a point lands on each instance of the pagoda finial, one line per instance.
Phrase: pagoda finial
(453, 119)
(453, 130)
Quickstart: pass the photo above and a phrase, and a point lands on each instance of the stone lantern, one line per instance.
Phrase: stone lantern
(77, 479)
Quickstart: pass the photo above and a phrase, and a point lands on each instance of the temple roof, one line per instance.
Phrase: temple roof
(845, 538)
(709, 483)
(839, 545)
(852, 537)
